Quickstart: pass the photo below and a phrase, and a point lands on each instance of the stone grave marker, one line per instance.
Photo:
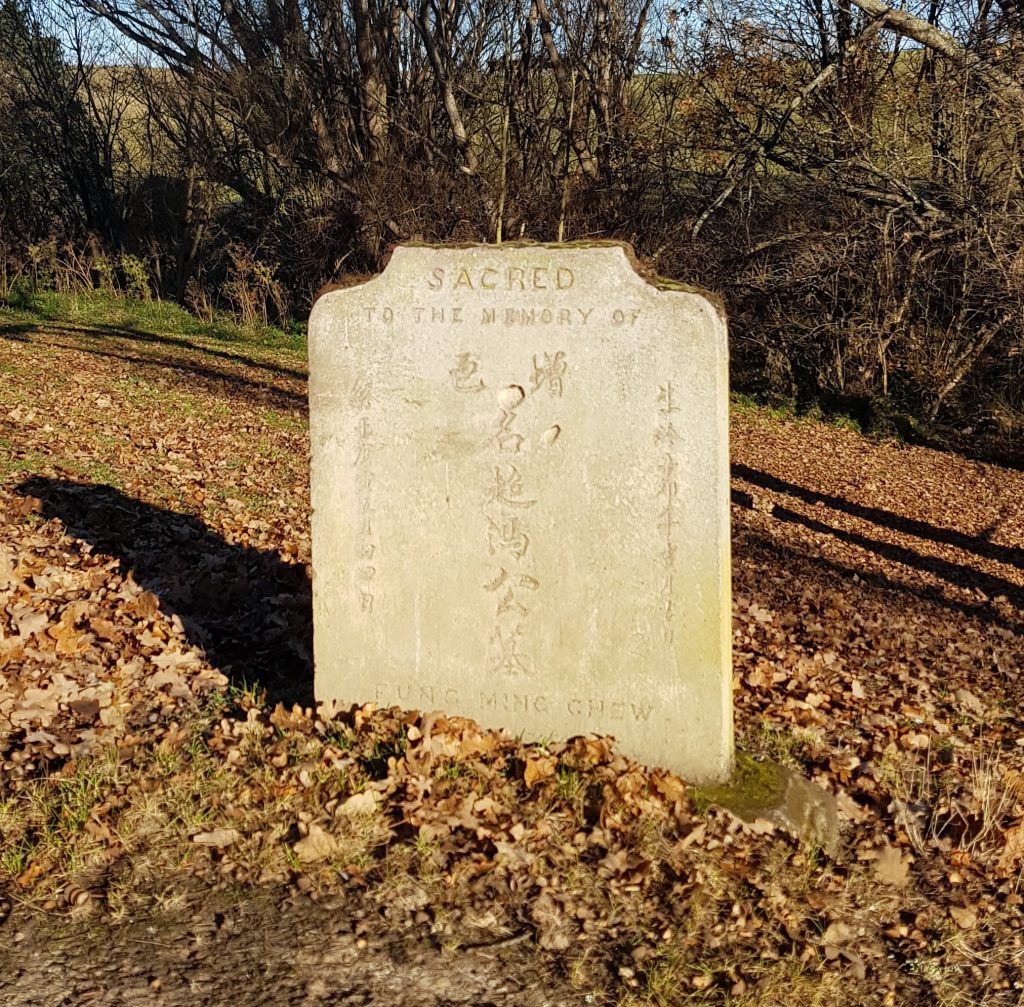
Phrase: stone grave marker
(520, 498)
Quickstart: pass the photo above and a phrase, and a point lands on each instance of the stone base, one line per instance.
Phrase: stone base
(781, 796)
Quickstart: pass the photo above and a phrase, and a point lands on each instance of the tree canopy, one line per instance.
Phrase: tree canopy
(845, 172)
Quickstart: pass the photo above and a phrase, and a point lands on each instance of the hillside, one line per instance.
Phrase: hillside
(174, 809)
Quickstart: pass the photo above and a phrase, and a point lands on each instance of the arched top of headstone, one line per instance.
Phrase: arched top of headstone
(612, 261)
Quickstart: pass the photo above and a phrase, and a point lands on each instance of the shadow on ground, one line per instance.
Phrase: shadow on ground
(248, 610)
(980, 545)
(17, 332)
(961, 575)
(156, 352)
(750, 546)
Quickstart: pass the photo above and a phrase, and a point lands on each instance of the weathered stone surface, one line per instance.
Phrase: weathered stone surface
(781, 796)
(520, 498)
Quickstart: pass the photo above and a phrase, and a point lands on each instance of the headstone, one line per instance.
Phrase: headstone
(520, 498)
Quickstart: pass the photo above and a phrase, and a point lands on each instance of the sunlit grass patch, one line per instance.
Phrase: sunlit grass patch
(100, 314)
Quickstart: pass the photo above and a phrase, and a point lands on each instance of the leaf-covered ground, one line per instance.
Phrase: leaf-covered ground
(158, 737)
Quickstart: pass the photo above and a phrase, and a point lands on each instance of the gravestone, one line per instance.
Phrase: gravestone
(520, 498)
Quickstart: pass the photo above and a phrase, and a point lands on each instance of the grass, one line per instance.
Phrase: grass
(772, 408)
(276, 420)
(881, 420)
(45, 826)
(778, 410)
(766, 741)
(754, 785)
(102, 310)
(10, 466)
(163, 797)
(169, 377)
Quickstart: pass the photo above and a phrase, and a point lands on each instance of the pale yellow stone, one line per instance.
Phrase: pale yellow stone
(520, 498)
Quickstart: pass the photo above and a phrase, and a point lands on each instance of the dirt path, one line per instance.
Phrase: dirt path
(270, 950)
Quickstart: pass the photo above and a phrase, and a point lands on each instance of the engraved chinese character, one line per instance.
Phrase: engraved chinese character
(508, 536)
(365, 601)
(666, 525)
(505, 656)
(509, 400)
(362, 393)
(508, 603)
(500, 579)
(669, 608)
(506, 438)
(665, 403)
(507, 487)
(464, 373)
(522, 580)
(669, 487)
(362, 441)
(666, 434)
(551, 373)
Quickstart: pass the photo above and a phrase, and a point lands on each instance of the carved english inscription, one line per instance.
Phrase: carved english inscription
(407, 694)
(509, 316)
(508, 278)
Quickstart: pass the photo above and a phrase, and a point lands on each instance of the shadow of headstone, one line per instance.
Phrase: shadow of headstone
(247, 609)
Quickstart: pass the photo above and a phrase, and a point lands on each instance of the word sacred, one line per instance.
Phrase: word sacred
(510, 278)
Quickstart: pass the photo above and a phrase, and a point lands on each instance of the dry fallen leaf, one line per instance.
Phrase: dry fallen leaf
(837, 933)
(964, 917)
(318, 844)
(33, 871)
(890, 868)
(359, 804)
(68, 639)
(85, 709)
(670, 786)
(7, 578)
(103, 628)
(1013, 849)
(29, 622)
(539, 768)
(217, 837)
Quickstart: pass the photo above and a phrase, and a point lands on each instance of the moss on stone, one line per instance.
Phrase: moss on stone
(754, 787)
(781, 796)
